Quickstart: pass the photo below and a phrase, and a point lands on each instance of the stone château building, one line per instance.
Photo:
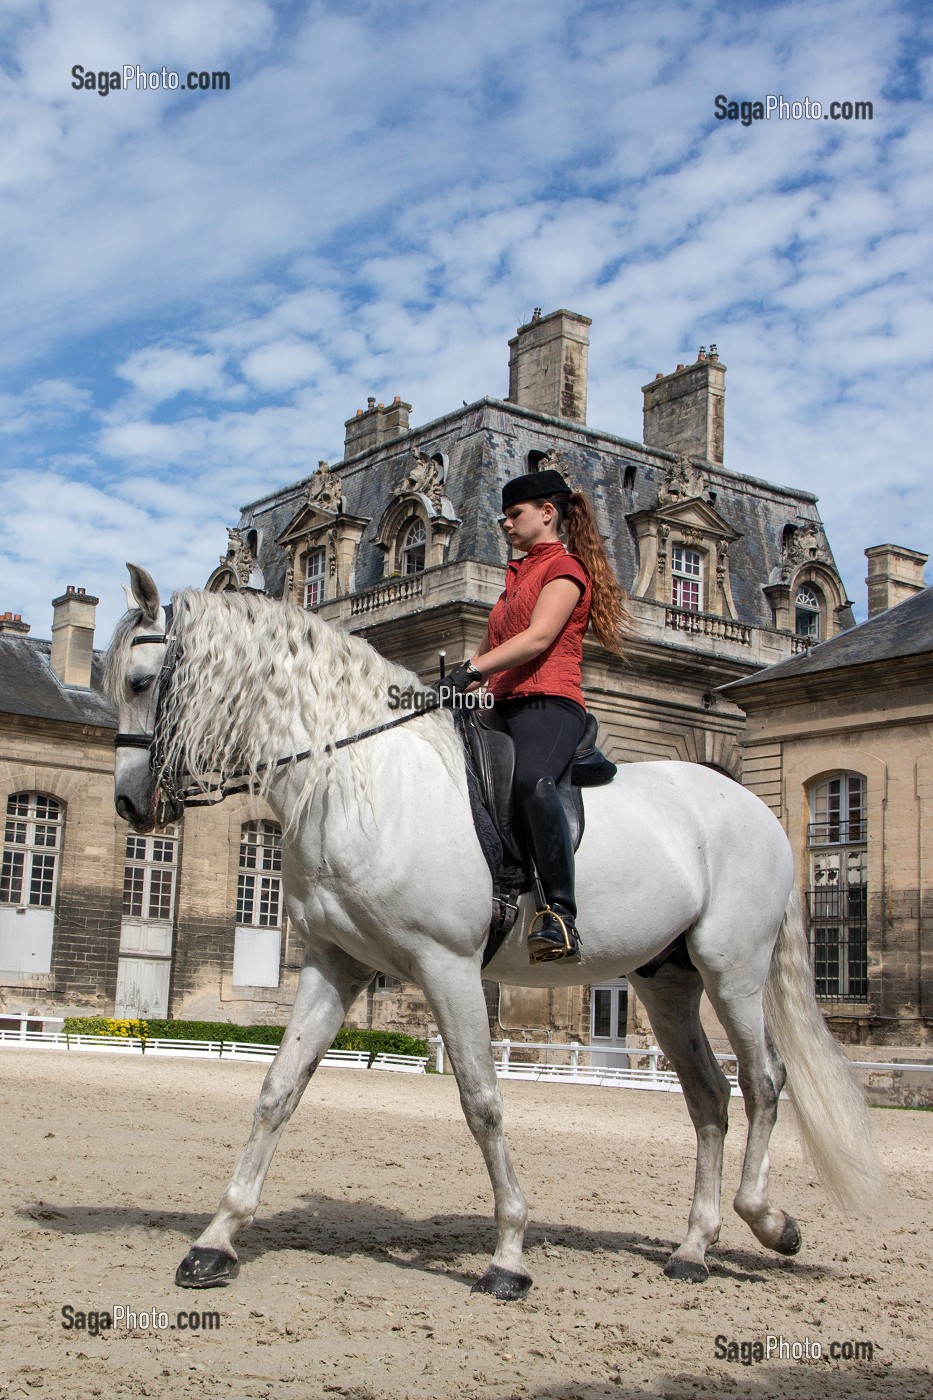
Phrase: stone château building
(839, 743)
(400, 542)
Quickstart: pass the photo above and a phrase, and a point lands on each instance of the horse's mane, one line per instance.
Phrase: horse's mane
(257, 680)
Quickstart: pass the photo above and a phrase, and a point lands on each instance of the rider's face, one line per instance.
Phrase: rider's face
(528, 523)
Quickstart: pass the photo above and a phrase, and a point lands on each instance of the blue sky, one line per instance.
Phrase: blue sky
(198, 289)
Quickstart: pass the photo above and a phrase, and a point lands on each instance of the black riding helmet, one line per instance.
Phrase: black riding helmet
(547, 485)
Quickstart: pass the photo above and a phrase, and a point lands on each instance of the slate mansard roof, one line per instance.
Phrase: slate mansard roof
(486, 443)
(29, 686)
(903, 631)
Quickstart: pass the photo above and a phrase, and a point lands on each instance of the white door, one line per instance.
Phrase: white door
(608, 1019)
(142, 988)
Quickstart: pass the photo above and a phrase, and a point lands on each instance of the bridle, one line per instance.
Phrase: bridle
(239, 781)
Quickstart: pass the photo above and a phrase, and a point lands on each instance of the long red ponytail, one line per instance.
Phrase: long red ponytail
(609, 615)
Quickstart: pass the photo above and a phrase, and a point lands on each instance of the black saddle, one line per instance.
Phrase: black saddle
(490, 755)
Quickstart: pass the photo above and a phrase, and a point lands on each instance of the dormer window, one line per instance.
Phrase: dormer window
(315, 576)
(414, 546)
(686, 579)
(807, 614)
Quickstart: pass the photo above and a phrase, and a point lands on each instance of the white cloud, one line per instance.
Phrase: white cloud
(217, 283)
(160, 374)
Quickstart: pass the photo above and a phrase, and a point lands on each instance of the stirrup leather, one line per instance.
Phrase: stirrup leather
(547, 951)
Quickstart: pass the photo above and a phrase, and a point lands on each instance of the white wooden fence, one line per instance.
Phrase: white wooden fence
(897, 1081)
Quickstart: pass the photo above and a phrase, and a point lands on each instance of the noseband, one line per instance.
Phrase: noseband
(170, 792)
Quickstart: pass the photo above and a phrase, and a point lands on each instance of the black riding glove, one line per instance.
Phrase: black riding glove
(455, 683)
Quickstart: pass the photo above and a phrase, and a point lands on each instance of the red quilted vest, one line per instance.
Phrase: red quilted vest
(557, 670)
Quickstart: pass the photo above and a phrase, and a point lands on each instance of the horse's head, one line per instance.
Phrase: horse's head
(134, 668)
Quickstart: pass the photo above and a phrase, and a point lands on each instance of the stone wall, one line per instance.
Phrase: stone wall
(77, 770)
(886, 735)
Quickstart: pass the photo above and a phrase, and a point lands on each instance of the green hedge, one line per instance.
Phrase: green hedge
(376, 1042)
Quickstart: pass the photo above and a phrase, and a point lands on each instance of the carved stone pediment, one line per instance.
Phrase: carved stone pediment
(325, 489)
(321, 521)
(804, 543)
(308, 519)
(682, 481)
(238, 568)
(239, 557)
(695, 518)
(422, 477)
(691, 521)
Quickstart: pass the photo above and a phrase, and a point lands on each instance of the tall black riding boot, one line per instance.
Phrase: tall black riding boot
(553, 933)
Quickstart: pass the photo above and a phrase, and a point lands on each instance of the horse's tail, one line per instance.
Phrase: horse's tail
(828, 1100)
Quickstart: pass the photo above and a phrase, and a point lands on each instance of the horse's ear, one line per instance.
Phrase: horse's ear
(145, 593)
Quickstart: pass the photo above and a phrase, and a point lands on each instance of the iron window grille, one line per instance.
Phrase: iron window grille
(837, 899)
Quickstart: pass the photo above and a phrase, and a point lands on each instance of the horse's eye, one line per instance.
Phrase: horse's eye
(143, 683)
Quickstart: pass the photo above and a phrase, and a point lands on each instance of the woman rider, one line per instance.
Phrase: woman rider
(532, 655)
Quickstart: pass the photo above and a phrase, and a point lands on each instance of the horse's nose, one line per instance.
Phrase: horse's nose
(126, 810)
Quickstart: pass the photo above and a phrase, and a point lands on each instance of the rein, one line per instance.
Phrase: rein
(201, 797)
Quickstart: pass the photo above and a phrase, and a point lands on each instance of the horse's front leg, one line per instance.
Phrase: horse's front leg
(454, 990)
(327, 985)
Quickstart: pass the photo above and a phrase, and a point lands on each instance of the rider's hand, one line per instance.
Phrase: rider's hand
(456, 682)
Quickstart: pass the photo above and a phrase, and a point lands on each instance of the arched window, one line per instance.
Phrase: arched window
(315, 576)
(414, 547)
(258, 940)
(536, 461)
(628, 479)
(838, 894)
(32, 842)
(807, 613)
(686, 578)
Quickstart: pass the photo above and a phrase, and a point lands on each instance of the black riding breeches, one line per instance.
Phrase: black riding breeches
(546, 730)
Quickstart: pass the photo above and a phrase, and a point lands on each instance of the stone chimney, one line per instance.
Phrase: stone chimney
(548, 362)
(73, 636)
(13, 622)
(684, 411)
(375, 424)
(894, 574)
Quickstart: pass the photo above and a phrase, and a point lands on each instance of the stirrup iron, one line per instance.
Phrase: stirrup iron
(549, 951)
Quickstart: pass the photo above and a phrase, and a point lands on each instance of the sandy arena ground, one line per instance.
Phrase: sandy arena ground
(376, 1218)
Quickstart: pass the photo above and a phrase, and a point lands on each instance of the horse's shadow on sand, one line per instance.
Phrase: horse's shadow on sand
(334, 1227)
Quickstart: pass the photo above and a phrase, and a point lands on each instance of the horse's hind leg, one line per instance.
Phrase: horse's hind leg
(455, 992)
(761, 1079)
(325, 991)
(672, 1000)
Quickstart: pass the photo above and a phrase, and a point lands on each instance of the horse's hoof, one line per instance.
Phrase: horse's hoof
(687, 1270)
(206, 1268)
(790, 1238)
(502, 1283)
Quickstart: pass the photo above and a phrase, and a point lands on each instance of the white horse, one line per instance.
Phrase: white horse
(381, 869)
